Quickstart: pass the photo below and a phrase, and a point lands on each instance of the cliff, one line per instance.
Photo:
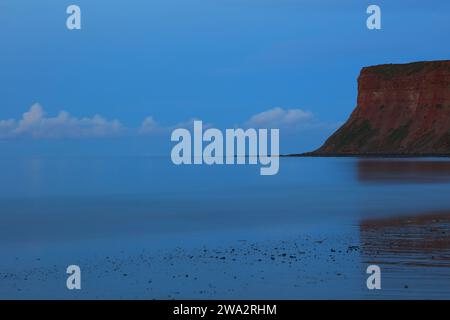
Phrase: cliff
(402, 109)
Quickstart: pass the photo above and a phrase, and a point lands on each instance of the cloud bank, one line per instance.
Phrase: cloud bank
(36, 124)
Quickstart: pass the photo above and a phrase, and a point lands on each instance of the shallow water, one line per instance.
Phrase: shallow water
(346, 212)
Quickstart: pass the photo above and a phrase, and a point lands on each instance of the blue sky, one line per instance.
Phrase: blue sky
(222, 61)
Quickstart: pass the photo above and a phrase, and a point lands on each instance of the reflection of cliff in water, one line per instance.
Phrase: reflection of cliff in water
(413, 253)
(395, 170)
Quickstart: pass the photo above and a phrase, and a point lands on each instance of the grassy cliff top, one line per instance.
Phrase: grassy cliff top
(391, 70)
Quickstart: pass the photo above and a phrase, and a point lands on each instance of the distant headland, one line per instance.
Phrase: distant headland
(402, 110)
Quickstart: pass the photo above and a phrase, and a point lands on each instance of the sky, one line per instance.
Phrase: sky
(139, 68)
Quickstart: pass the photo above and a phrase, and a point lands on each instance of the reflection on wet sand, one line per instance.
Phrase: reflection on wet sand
(413, 253)
(395, 170)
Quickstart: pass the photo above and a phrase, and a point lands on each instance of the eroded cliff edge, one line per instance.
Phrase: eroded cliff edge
(402, 109)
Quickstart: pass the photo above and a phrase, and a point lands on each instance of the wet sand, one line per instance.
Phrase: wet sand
(413, 251)
(293, 268)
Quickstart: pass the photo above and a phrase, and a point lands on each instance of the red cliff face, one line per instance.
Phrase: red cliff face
(402, 109)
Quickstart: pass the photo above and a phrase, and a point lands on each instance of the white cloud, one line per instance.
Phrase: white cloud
(280, 118)
(150, 126)
(36, 124)
(289, 120)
